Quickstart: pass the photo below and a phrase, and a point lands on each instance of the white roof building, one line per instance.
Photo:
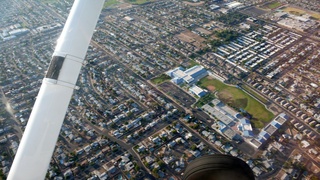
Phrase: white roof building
(269, 130)
(188, 76)
(197, 91)
(233, 5)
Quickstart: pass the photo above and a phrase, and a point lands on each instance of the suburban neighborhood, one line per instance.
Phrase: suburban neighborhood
(165, 82)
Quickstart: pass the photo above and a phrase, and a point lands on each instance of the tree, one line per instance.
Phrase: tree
(232, 18)
(130, 114)
(2, 176)
(155, 172)
(161, 164)
(5, 154)
(196, 126)
(193, 147)
(164, 139)
(174, 123)
(113, 125)
(136, 167)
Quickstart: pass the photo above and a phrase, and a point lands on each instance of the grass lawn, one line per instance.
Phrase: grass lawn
(273, 5)
(237, 98)
(109, 3)
(160, 79)
(248, 89)
(138, 1)
(209, 81)
(205, 99)
(192, 63)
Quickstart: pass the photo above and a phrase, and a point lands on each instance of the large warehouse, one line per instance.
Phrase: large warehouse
(188, 76)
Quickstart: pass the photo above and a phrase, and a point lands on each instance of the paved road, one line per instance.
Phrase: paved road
(124, 145)
(163, 94)
(168, 97)
(196, 134)
(244, 147)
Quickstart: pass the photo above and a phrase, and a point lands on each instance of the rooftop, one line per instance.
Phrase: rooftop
(222, 117)
(270, 129)
(196, 90)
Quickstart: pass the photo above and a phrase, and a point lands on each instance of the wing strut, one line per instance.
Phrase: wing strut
(40, 136)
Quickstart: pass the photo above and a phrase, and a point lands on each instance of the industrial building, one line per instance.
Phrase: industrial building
(188, 76)
(7, 35)
(17, 32)
(297, 22)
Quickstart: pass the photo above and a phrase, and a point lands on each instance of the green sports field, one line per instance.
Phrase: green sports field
(274, 5)
(109, 3)
(237, 98)
(137, 2)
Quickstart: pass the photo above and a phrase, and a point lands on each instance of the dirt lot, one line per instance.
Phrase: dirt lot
(203, 31)
(194, 4)
(299, 12)
(211, 88)
(178, 94)
(124, 6)
(190, 37)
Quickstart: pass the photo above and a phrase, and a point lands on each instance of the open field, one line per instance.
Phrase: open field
(204, 31)
(194, 4)
(124, 5)
(273, 5)
(294, 11)
(300, 12)
(248, 89)
(109, 3)
(237, 98)
(190, 37)
(160, 79)
(137, 2)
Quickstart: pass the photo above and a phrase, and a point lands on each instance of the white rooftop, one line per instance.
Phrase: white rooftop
(196, 89)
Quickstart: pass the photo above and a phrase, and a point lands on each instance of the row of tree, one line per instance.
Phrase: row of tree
(225, 37)
(232, 18)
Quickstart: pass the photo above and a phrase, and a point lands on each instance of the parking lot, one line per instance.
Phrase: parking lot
(182, 97)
